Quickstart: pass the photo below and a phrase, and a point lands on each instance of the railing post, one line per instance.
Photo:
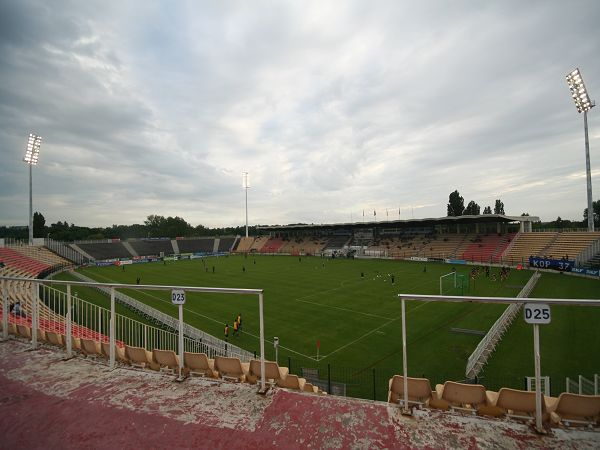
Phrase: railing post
(538, 388)
(262, 343)
(596, 378)
(34, 315)
(405, 410)
(180, 377)
(111, 341)
(68, 318)
(580, 384)
(5, 310)
(329, 378)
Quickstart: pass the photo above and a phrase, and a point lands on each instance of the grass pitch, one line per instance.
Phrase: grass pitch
(356, 319)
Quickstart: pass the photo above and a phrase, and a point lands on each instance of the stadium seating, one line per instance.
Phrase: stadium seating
(574, 409)
(337, 242)
(258, 243)
(513, 403)
(528, 244)
(200, 245)
(292, 382)
(105, 250)
(89, 347)
(225, 244)
(461, 396)
(487, 248)
(231, 369)
(41, 254)
(152, 247)
(140, 357)
(54, 338)
(198, 364)
(272, 246)
(245, 244)
(24, 331)
(120, 354)
(419, 391)
(570, 245)
(273, 373)
(27, 265)
(167, 360)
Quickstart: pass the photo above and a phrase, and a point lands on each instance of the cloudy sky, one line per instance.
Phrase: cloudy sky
(333, 107)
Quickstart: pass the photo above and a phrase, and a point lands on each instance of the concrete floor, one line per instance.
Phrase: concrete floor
(47, 402)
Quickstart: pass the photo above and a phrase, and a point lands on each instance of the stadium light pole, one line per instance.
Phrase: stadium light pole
(31, 157)
(246, 186)
(583, 104)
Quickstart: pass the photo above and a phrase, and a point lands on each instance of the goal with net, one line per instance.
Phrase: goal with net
(454, 284)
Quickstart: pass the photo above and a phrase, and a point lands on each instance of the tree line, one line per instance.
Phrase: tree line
(154, 226)
(456, 207)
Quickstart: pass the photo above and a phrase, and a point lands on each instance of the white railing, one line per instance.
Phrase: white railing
(44, 298)
(583, 386)
(66, 252)
(588, 253)
(220, 347)
(488, 344)
(495, 300)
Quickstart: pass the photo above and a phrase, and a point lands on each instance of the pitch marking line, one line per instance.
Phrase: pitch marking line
(369, 333)
(211, 319)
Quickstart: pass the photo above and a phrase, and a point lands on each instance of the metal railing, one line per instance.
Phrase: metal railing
(588, 253)
(66, 252)
(118, 329)
(583, 386)
(220, 346)
(494, 300)
(487, 345)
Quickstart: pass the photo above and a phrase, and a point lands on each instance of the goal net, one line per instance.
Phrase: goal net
(454, 284)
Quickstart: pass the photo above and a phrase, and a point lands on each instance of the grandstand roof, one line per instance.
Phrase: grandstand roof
(408, 223)
(55, 403)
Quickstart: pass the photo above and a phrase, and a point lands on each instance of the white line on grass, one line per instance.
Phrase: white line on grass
(344, 309)
(210, 318)
(370, 332)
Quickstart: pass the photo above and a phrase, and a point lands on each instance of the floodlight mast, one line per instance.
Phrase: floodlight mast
(32, 154)
(246, 186)
(583, 103)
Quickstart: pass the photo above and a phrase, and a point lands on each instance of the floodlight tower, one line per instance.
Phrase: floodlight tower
(246, 186)
(583, 103)
(31, 157)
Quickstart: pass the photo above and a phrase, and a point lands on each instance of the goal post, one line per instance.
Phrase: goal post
(454, 284)
(447, 283)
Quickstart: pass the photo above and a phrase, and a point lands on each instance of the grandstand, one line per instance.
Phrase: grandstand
(151, 247)
(104, 250)
(198, 245)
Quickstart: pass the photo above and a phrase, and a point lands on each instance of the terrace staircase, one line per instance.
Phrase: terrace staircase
(216, 245)
(488, 344)
(166, 321)
(175, 246)
(129, 248)
(80, 250)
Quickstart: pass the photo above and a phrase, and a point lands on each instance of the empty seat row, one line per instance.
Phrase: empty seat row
(567, 409)
(195, 364)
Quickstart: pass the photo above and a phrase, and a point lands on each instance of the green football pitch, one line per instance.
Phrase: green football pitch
(350, 307)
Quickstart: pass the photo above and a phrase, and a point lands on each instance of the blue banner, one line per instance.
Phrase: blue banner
(564, 265)
(456, 261)
(592, 272)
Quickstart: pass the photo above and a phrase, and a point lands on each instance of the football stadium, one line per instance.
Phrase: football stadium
(461, 329)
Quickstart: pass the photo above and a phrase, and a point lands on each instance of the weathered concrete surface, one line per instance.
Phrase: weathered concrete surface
(47, 402)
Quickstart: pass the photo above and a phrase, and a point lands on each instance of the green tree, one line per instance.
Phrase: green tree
(595, 208)
(487, 210)
(456, 204)
(472, 209)
(499, 207)
(39, 224)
